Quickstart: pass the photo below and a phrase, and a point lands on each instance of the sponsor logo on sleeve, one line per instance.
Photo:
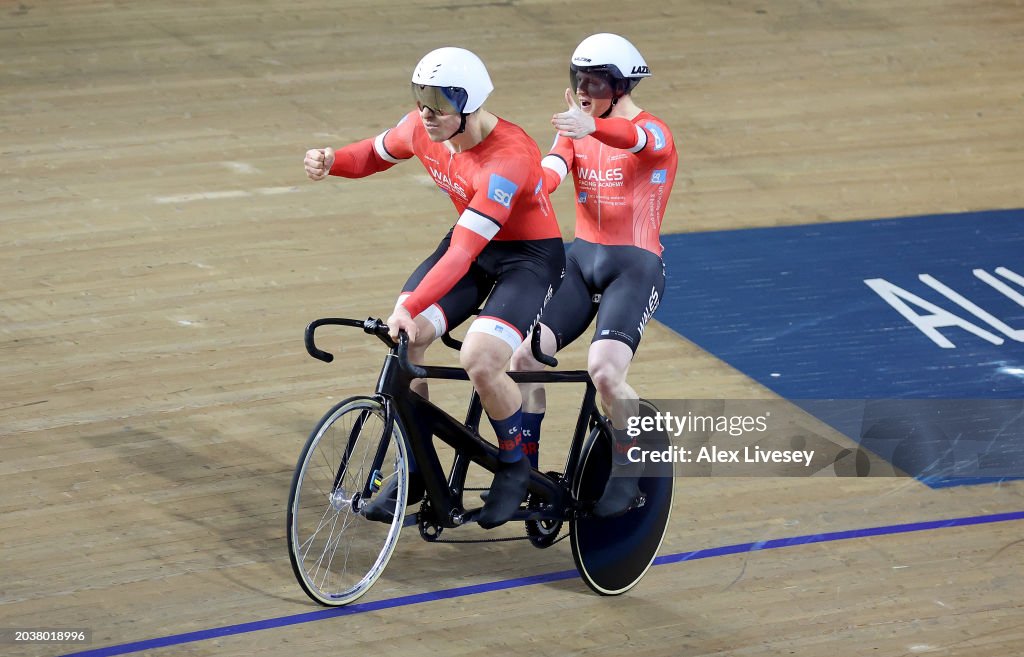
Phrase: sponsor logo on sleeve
(659, 176)
(659, 135)
(501, 190)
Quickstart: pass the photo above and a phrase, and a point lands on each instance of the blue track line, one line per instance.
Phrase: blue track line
(462, 591)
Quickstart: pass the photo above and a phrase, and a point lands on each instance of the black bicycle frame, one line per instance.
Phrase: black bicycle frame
(550, 496)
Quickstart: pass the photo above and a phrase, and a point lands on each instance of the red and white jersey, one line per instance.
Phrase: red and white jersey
(623, 174)
(497, 187)
(499, 179)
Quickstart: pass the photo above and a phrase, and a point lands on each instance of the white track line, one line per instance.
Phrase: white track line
(217, 196)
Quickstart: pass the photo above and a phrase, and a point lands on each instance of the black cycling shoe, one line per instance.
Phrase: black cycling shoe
(620, 495)
(622, 492)
(508, 490)
(382, 507)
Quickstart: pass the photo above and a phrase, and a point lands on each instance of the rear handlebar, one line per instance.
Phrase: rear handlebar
(541, 357)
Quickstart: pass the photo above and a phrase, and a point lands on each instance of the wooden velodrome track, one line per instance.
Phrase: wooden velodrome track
(162, 250)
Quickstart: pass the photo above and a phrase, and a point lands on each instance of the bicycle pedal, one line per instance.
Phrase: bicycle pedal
(376, 481)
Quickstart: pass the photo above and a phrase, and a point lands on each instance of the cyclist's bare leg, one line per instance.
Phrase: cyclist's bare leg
(534, 397)
(608, 363)
(485, 358)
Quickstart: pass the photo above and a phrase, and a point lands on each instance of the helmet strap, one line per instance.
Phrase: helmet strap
(610, 107)
(462, 126)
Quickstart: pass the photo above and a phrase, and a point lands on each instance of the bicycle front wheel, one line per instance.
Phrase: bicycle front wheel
(336, 553)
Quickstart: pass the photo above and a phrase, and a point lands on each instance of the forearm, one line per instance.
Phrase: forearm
(619, 133)
(441, 278)
(358, 160)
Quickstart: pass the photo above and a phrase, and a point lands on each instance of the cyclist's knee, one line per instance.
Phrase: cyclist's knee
(484, 356)
(608, 365)
(608, 379)
(608, 362)
(523, 359)
(480, 366)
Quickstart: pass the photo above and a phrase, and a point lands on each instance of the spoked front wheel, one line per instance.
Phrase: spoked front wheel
(336, 553)
(613, 554)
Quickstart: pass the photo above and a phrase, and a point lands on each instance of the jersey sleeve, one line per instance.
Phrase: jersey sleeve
(498, 187)
(556, 162)
(647, 137)
(470, 236)
(380, 153)
(660, 142)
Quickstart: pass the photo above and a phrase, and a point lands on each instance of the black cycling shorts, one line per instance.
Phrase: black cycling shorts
(512, 279)
(621, 285)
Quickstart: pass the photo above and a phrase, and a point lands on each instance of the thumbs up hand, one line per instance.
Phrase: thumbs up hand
(318, 162)
(574, 122)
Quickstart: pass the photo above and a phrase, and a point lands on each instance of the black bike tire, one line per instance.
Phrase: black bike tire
(583, 526)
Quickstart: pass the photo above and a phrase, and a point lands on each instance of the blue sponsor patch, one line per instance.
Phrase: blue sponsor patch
(659, 176)
(659, 136)
(540, 184)
(501, 190)
(582, 197)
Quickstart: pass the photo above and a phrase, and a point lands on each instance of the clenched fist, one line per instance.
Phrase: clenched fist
(319, 162)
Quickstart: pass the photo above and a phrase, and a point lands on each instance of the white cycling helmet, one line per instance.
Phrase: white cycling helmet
(451, 80)
(613, 56)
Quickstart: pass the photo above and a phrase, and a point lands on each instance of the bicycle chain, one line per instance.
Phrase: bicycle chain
(492, 540)
(425, 506)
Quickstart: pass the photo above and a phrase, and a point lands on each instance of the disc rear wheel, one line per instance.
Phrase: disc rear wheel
(613, 554)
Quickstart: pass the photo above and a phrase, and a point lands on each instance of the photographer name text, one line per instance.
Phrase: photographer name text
(749, 454)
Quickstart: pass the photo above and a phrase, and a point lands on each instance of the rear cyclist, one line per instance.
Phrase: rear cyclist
(623, 163)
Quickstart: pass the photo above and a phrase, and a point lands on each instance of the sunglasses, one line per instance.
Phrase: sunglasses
(440, 100)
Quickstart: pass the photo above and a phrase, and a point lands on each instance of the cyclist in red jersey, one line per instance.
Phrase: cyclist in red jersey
(505, 251)
(623, 163)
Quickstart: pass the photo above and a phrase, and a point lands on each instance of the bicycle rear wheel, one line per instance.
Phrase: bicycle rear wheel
(336, 553)
(613, 554)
